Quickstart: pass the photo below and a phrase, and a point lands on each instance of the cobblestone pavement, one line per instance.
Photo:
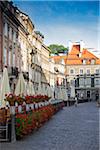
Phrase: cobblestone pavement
(73, 128)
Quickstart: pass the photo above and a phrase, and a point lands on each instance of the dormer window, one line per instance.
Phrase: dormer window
(84, 61)
(92, 61)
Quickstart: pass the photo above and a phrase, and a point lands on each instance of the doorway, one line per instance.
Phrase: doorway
(88, 94)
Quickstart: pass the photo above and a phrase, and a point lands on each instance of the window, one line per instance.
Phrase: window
(71, 71)
(97, 81)
(13, 60)
(88, 81)
(81, 71)
(71, 82)
(18, 61)
(97, 71)
(81, 82)
(9, 58)
(88, 71)
(34, 41)
(5, 56)
(33, 59)
(10, 33)
(92, 82)
(38, 45)
(39, 58)
(92, 61)
(6, 29)
(84, 61)
(14, 36)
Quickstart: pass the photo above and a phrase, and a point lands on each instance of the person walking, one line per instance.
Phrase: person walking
(76, 101)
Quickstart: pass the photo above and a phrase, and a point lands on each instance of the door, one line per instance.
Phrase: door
(88, 94)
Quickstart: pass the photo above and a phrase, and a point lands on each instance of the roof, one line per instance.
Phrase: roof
(86, 54)
(76, 57)
(98, 61)
(57, 59)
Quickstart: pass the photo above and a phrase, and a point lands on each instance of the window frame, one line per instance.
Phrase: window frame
(87, 71)
(80, 71)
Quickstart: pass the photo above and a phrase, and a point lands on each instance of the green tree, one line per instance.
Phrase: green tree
(56, 49)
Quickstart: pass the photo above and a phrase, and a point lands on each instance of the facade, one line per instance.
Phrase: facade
(45, 65)
(21, 47)
(9, 46)
(79, 68)
(59, 70)
(83, 68)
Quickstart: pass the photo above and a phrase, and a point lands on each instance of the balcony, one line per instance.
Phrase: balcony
(13, 72)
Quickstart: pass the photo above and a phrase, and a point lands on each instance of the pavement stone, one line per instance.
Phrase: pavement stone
(73, 128)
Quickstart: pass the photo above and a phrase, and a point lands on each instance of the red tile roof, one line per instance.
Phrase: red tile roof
(75, 57)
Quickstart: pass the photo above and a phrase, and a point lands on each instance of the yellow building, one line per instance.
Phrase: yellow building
(83, 68)
(80, 68)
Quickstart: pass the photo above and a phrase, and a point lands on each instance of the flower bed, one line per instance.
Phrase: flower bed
(12, 99)
(27, 122)
(30, 121)
(31, 112)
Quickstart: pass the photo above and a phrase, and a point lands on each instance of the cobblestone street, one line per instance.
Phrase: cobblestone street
(73, 128)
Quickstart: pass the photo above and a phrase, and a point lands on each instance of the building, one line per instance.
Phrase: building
(79, 68)
(9, 46)
(45, 65)
(83, 68)
(21, 47)
(59, 69)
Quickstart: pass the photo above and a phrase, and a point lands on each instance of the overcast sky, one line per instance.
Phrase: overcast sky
(61, 21)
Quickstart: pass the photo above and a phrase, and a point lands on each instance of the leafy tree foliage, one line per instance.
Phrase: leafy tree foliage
(56, 49)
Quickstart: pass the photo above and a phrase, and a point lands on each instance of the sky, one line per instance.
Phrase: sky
(61, 21)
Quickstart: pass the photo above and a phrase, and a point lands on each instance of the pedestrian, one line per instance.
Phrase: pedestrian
(76, 101)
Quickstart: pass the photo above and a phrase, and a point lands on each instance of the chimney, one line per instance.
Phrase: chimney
(81, 45)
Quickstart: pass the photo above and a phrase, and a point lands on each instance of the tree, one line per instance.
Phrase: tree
(56, 49)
